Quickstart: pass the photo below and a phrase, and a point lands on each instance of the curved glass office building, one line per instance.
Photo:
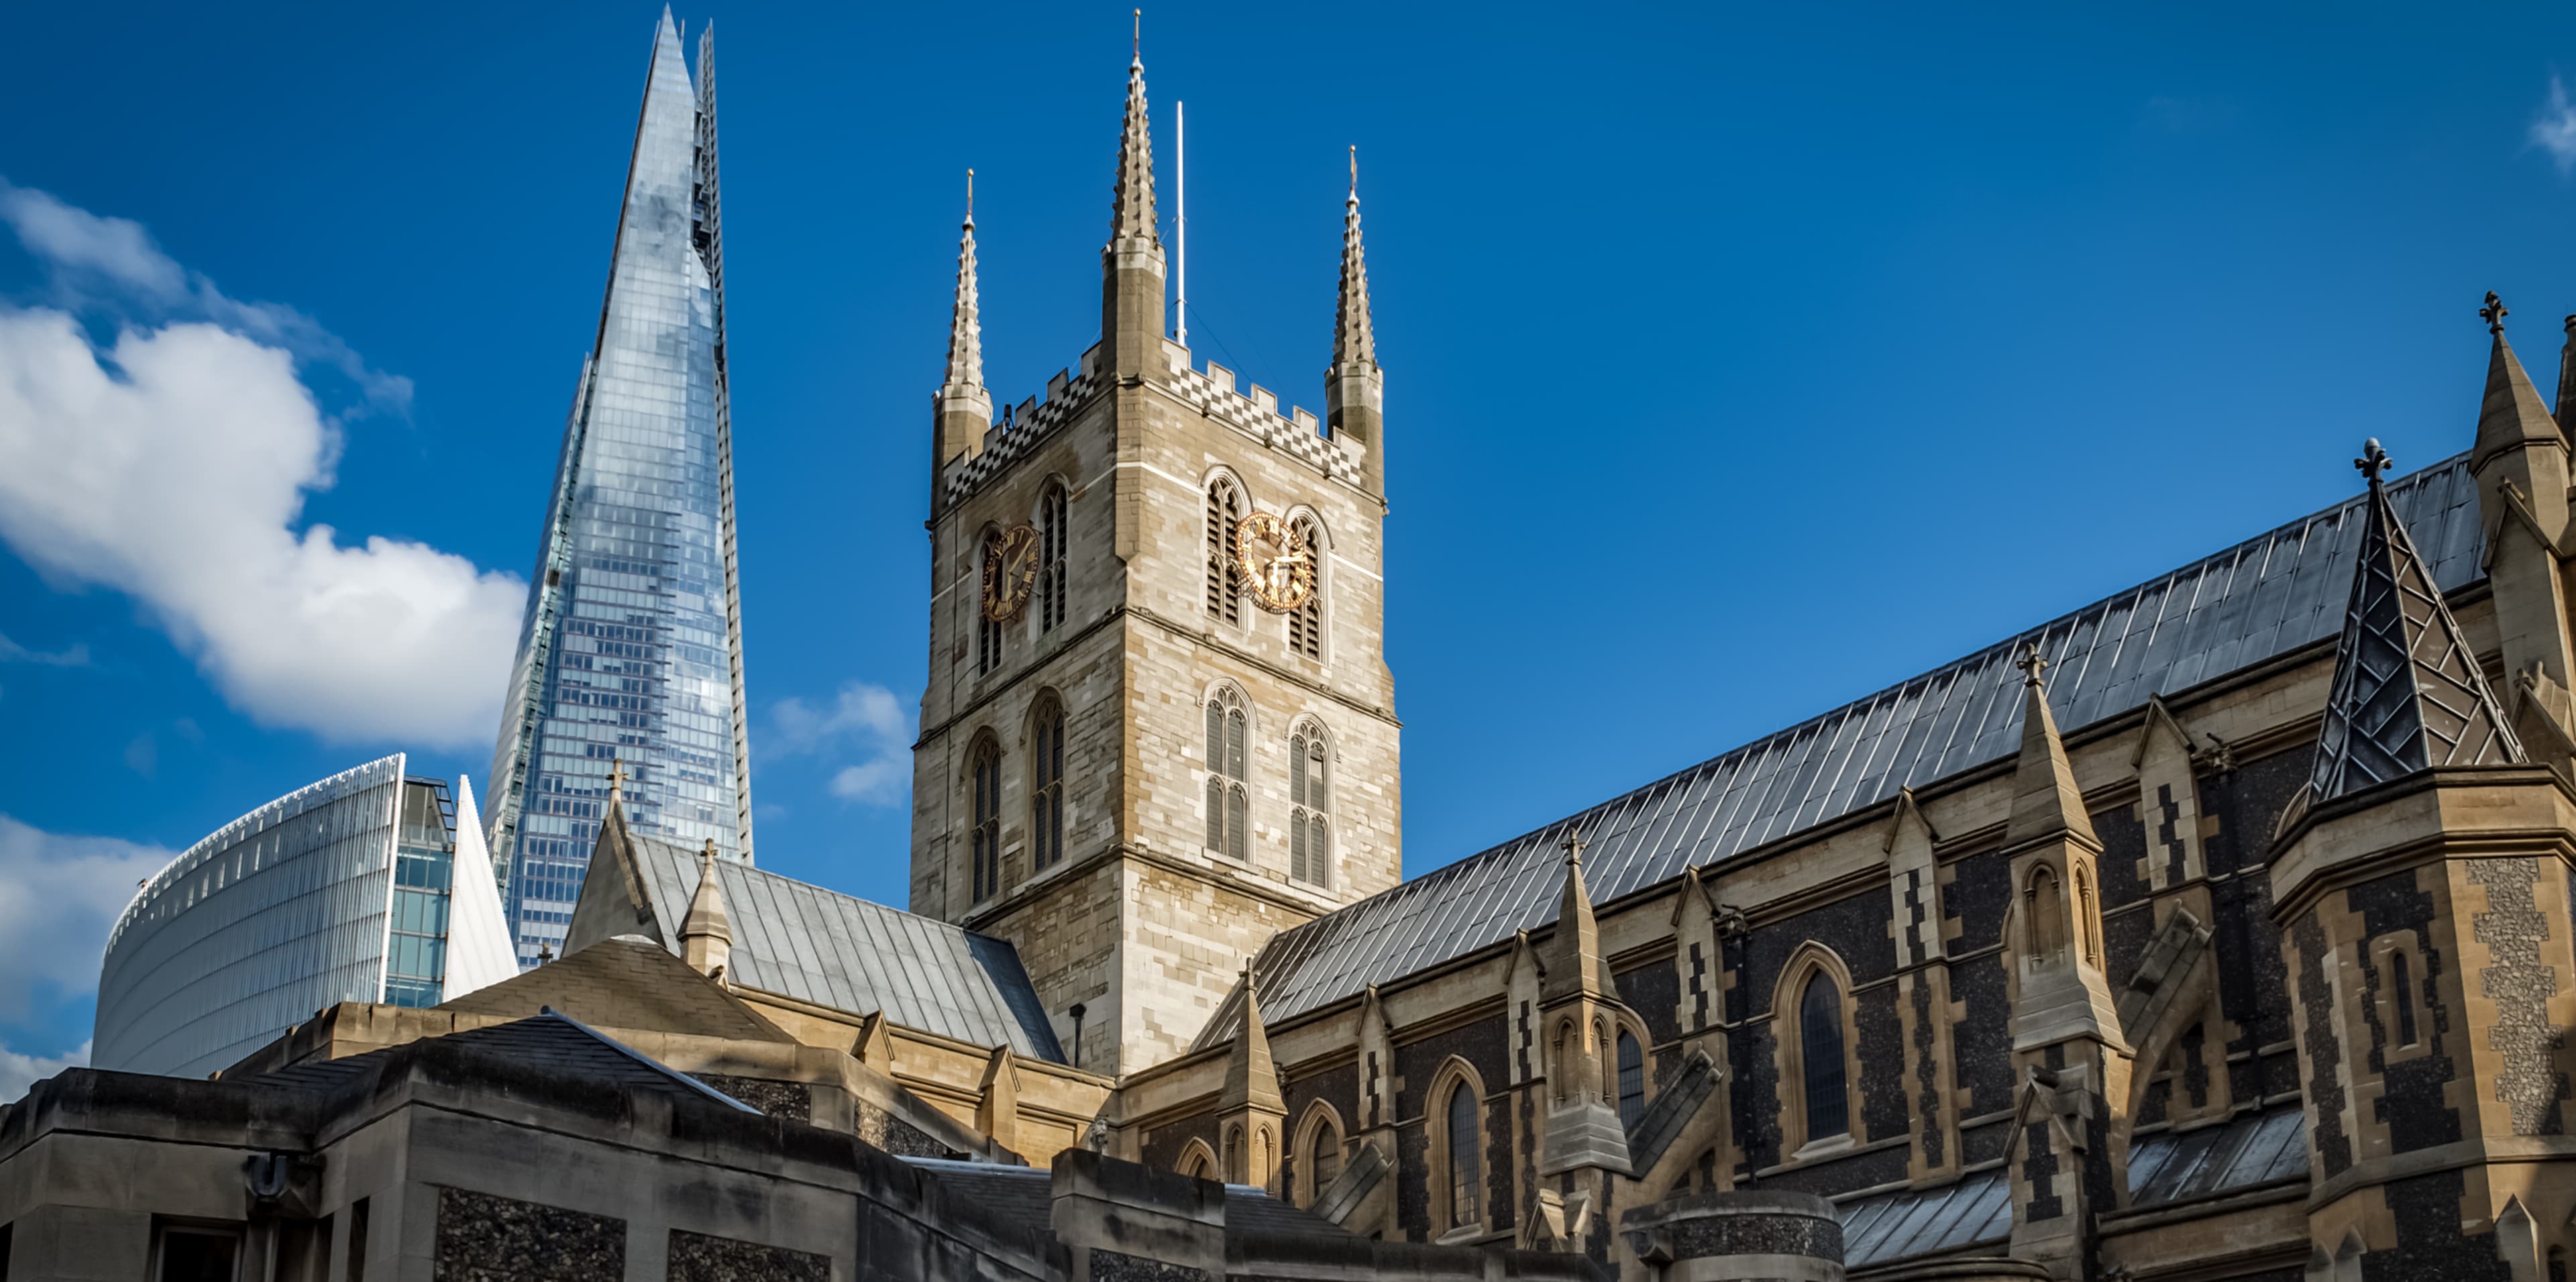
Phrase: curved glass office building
(368, 886)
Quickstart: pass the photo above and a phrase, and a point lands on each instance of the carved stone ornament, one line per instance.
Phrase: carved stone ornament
(1010, 572)
(1275, 562)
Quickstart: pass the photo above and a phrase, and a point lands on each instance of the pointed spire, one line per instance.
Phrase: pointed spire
(2406, 695)
(1251, 1078)
(965, 323)
(2046, 801)
(1131, 206)
(1354, 338)
(2513, 415)
(706, 934)
(1572, 959)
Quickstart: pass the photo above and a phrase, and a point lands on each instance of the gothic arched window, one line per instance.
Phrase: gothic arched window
(1310, 801)
(1051, 521)
(1234, 1155)
(1820, 1058)
(985, 766)
(1229, 795)
(1046, 786)
(988, 630)
(2402, 995)
(1466, 1157)
(1323, 1161)
(1224, 579)
(1632, 1079)
(1306, 622)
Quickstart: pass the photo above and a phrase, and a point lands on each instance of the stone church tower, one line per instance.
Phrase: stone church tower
(1159, 725)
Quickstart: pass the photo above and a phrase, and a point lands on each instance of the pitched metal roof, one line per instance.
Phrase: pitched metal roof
(820, 946)
(2256, 1148)
(1922, 1221)
(2264, 597)
(1024, 1195)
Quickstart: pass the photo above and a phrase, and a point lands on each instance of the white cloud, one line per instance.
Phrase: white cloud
(173, 466)
(864, 718)
(18, 1072)
(75, 655)
(59, 896)
(87, 250)
(2554, 129)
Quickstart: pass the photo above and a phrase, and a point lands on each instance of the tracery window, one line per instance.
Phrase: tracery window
(1632, 1080)
(1046, 786)
(1820, 1058)
(1224, 578)
(985, 767)
(1466, 1157)
(1051, 574)
(1306, 622)
(1310, 801)
(988, 630)
(1229, 795)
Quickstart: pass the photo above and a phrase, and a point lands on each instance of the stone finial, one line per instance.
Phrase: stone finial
(706, 934)
(2372, 462)
(2046, 801)
(2494, 313)
(2511, 415)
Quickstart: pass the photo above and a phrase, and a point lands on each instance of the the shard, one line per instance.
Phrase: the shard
(632, 648)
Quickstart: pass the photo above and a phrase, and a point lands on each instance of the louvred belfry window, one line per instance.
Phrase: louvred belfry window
(1046, 787)
(1310, 835)
(988, 630)
(1051, 572)
(1306, 622)
(1229, 794)
(1224, 578)
(987, 839)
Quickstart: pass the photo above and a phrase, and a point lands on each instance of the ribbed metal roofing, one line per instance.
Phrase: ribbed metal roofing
(2264, 597)
(1922, 1221)
(819, 946)
(2254, 1149)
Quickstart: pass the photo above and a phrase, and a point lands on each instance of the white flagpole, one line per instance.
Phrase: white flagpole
(1181, 184)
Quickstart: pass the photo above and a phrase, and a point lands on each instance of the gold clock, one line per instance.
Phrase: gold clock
(1010, 572)
(1275, 562)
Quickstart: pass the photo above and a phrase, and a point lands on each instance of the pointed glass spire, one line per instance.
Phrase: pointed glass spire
(1131, 207)
(1354, 338)
(2407, 695)
(965, 324)
(632, 646)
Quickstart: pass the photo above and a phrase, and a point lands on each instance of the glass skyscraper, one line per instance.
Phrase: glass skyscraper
(632, 648)
(369, 886)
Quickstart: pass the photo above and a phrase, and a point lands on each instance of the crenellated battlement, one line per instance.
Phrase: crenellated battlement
(1296, 433)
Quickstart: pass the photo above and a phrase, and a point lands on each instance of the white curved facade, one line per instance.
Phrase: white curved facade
(357, 888)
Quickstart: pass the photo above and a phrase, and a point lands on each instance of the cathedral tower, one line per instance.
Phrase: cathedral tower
(1158, 725)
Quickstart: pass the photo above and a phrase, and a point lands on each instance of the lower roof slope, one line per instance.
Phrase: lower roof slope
(821, 946)
(2268, 596)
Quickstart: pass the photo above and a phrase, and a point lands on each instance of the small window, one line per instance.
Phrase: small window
(198, 1254)
(1051, 575)
(1820, 1057)
(1224, 577)
(2046, 906)
(1229, 794)
(1324, 1163)
(1234, 1155)
(1046, 787)
(987, 840)
(1632, 1080)
(1310, 833)
(1196, 1165)
(1466, 1158)
(2401, 984)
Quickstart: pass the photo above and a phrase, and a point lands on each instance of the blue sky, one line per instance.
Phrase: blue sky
(1741, 362)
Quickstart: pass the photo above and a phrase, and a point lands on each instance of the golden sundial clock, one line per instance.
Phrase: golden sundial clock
(1010, 571)
(1275, 562)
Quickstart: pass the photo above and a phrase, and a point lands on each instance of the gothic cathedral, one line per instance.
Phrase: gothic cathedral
(1158, 726)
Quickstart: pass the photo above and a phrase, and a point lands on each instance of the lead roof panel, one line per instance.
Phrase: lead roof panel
(2272, 594)
(833, 950)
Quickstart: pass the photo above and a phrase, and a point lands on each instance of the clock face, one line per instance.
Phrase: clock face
(1010, 572)
(1275, 562)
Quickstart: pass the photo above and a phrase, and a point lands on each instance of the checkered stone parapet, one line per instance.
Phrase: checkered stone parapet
(1033, 422)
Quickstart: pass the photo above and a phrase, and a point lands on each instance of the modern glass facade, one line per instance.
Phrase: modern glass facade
(340, 891)
(632, 648)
